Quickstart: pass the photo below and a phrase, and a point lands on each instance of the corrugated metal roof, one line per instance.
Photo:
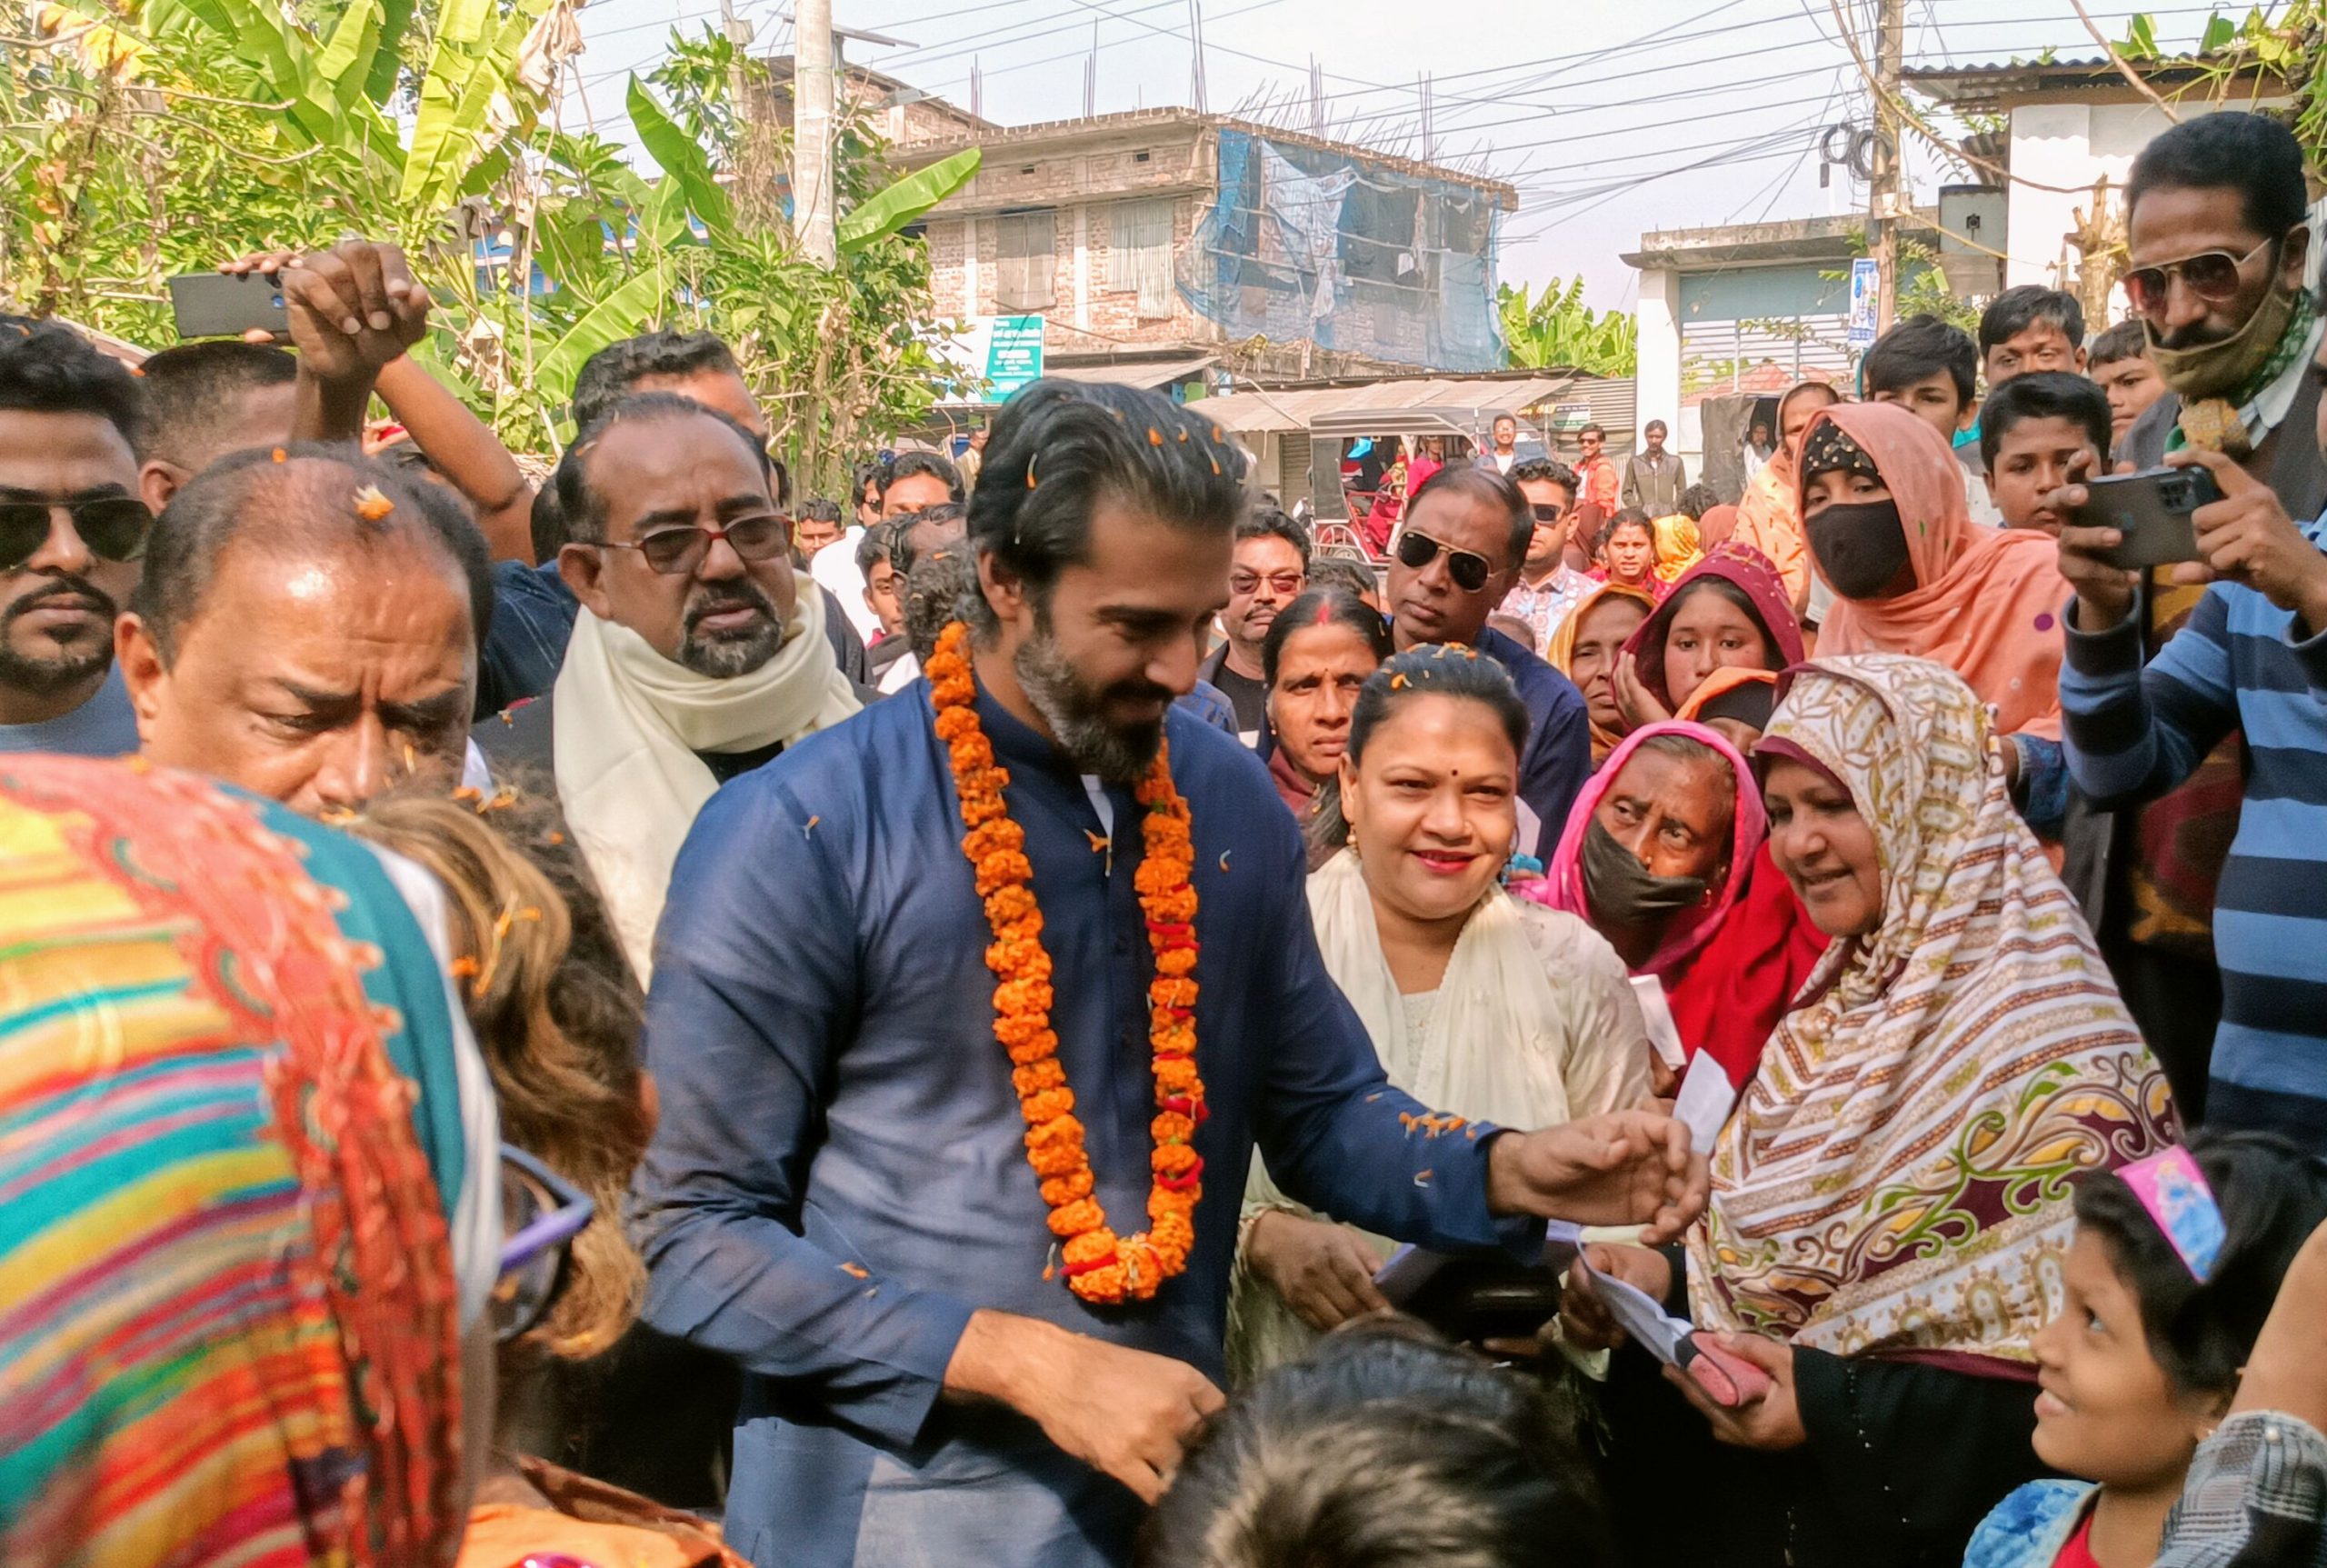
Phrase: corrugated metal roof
(1299, 409)
(1146, 375)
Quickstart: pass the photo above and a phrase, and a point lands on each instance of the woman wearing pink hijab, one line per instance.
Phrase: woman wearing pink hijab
(1883, 503)
(1663, 856)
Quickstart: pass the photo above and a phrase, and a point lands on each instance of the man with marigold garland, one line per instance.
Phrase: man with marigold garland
(968, 1017)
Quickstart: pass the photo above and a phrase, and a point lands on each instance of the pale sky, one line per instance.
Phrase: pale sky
(1592, 108)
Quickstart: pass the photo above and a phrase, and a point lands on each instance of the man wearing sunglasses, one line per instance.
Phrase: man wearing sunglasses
(1547, 587)
(2216, 244)
(1268, 571)
(72, 536)
(699, 653)
(2201, 878)
(1453, 561)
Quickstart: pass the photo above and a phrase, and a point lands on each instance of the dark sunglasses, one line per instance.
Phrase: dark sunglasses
(2212, 276)
(1547, 511)
(113, 528)
(674, 552)
(1470, 571)
(541, 1214)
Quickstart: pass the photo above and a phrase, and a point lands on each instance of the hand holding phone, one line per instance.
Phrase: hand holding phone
(2152, 511)
(222, 305)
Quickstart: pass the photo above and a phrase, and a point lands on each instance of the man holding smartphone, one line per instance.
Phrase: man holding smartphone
(2176, 886)
(2252, 657)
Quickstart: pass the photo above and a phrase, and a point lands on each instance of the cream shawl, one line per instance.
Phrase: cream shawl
(1534, 1023)
(629, 723)
(1896, 1174)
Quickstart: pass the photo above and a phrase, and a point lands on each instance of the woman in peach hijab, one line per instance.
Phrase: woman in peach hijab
(1883, 508)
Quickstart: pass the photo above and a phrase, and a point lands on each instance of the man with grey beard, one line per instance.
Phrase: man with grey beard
(697, 655)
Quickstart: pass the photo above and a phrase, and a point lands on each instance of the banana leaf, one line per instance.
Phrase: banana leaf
(892, 207)
(682, 160)
(626, 312)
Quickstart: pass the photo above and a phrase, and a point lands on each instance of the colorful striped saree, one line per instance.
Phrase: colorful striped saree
(229, 1138)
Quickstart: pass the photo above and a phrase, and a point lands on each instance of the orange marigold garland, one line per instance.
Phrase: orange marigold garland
(1099, 1265)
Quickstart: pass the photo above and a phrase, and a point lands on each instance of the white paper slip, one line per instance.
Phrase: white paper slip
(1642, 1317)
(1663, 1032)
(1704, 1102)
(1407, 1271)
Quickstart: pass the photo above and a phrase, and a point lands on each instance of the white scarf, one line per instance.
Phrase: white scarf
(628, 725)
(1534, 1022)
(1498, 1034)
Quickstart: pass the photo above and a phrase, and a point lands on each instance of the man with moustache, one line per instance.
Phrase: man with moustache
(72, 535)
(698, 653)
(1267, 571)
(2217, 238)
(899, 1225)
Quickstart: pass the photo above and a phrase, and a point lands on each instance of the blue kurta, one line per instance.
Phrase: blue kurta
(839, 1180)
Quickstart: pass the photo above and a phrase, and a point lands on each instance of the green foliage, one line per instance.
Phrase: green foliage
(1557, 329)
(181, 133)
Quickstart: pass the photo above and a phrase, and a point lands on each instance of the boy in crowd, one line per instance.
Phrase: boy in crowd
(2120, 364)
(2033, 427)
(2027, 329)
(1931, 369)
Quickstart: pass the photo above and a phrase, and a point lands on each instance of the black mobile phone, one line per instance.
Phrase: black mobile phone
(222, 305)
(2152, 509)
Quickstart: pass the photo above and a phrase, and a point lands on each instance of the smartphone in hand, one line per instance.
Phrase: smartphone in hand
(221, 305)
(2152, 509)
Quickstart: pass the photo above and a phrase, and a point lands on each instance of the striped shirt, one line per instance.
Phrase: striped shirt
(2132, 734)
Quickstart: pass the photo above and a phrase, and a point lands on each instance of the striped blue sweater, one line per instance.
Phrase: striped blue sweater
(2132, 734)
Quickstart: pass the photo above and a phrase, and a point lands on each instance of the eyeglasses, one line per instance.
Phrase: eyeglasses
(674, 552)
(1547, 511)
(1285, 583)
(2212, 276)
(1470, 571)
(541, 1214)
(113, 528)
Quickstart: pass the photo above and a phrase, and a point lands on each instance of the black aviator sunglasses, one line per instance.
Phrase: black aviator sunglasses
(113, 528)
(1469, 570)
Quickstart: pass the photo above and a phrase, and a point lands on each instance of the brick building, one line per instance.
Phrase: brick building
(1172, 241)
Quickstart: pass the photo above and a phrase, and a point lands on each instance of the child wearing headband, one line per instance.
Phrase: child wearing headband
(2176, 1261)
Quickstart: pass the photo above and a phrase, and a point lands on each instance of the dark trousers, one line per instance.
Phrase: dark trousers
(2176, 1002)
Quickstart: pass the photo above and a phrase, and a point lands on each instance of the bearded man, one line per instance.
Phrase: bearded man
(867, 1024)
(698, 653)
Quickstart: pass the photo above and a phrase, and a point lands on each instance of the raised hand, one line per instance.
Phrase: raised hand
(2247, 537)
(351, 309)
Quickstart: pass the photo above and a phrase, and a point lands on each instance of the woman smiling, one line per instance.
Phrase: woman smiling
(1889, 1203)
(1496, 1010)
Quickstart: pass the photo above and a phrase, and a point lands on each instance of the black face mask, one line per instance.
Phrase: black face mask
(1860, 547)
(1622, 890)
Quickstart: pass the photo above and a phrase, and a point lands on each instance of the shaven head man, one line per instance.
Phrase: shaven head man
(308, 627)
(205, 401)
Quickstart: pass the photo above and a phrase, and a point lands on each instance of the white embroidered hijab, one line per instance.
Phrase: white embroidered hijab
(629, 723)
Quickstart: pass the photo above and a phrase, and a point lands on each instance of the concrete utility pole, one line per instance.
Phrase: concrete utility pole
(811, 129)
(1887, 203)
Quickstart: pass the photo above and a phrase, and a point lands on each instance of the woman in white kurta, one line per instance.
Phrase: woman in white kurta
(1498, 1010)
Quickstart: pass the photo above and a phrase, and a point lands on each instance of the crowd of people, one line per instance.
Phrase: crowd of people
(1034, 1014)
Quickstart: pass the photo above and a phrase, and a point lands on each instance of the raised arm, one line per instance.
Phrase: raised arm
(464, 450)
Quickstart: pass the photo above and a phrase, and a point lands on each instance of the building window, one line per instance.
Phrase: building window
(1025, 261)
(1141, 255)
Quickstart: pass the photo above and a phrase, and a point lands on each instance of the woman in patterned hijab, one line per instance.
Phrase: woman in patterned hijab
(1891, 1196)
